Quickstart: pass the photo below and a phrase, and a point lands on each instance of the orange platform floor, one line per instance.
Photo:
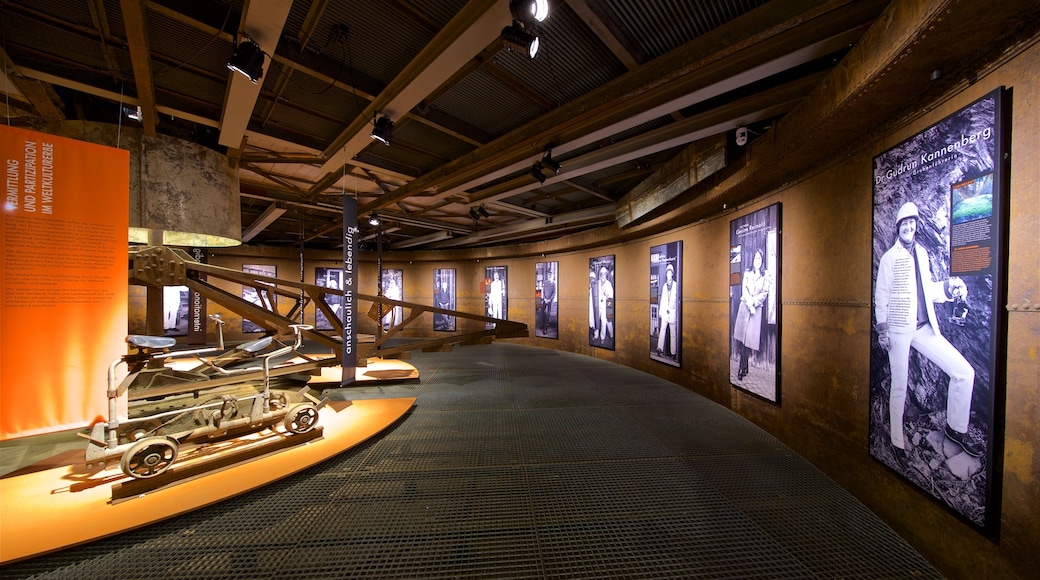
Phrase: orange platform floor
(54, 503)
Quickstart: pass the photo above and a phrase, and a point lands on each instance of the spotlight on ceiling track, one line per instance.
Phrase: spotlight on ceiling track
(134, 113)
(248, 59)
(551, 164)
(483, 212)
(517, 40)
(383, 130)
(536, 172)
(373, 220)
(473, 214)
(529, 11)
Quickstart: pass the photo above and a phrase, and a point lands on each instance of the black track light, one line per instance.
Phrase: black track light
(536, 172)
(483, 212)
(516, 39)
(473, 214)
(383, 130)
(373, 220)
(551, 164)
(248, 59)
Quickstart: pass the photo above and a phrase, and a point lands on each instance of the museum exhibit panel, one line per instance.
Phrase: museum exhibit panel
(666, 303)
(602, 301)
(546, 303)
(939, 290)
(519, 288)
(754, 299)
(444, 298)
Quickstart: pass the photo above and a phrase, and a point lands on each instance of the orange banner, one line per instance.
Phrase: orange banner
(63, 292)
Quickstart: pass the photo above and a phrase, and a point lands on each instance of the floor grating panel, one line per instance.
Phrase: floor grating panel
(522, 462)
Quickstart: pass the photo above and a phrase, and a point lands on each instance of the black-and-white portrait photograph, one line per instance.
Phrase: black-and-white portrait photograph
(175, 310)
(937, 307)
(546, 307)
(754, 303)
(601, 302)
(666, 303)
(496, 294)
(444, 297)
(262, 299)
(331, 278)
(392, 281)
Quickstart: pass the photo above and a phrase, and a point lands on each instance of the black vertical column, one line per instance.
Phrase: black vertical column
(350, 255)
(197, 304)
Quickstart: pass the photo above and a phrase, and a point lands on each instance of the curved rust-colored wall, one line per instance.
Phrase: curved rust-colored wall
(826, 290)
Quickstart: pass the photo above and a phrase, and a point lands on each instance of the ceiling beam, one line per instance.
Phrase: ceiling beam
(519, 87)
(262, 23)
(270, 215)
(113, 96)
(760, 107)
(322, 232)
(140, 57)
(280, 180)
(310, 22)
(747, 48)
(303, 36)
(279, 157)
(717, 79)
(100, 19)
(589, 189)
(878, 79)
(301, 62)
(485, 56)
(32, 91)
(603, 214)
(421, 240)
(475, 26)
(605, 33)
(516, 210)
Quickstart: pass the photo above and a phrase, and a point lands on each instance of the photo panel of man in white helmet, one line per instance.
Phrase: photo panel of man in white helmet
(937, 309)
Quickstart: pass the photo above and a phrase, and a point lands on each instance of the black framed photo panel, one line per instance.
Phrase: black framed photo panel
(666, 303)
(939, 320)
(601, 302)
(444, 297)
(754, 303)
(392, 280)
(547, 315)
(496, 294)
(329, 278)
(261, 298)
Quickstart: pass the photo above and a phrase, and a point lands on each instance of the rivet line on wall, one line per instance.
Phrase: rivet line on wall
(708, 300)
(851, 303)
(1025, 306)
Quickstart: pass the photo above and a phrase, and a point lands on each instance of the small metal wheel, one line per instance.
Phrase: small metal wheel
(301, 418)
(279, 400)
(149, 457)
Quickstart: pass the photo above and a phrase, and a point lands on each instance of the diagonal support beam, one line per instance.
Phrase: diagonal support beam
(30, 90)
(270, 215)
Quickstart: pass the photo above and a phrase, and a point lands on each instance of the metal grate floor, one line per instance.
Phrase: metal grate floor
(521, 462)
